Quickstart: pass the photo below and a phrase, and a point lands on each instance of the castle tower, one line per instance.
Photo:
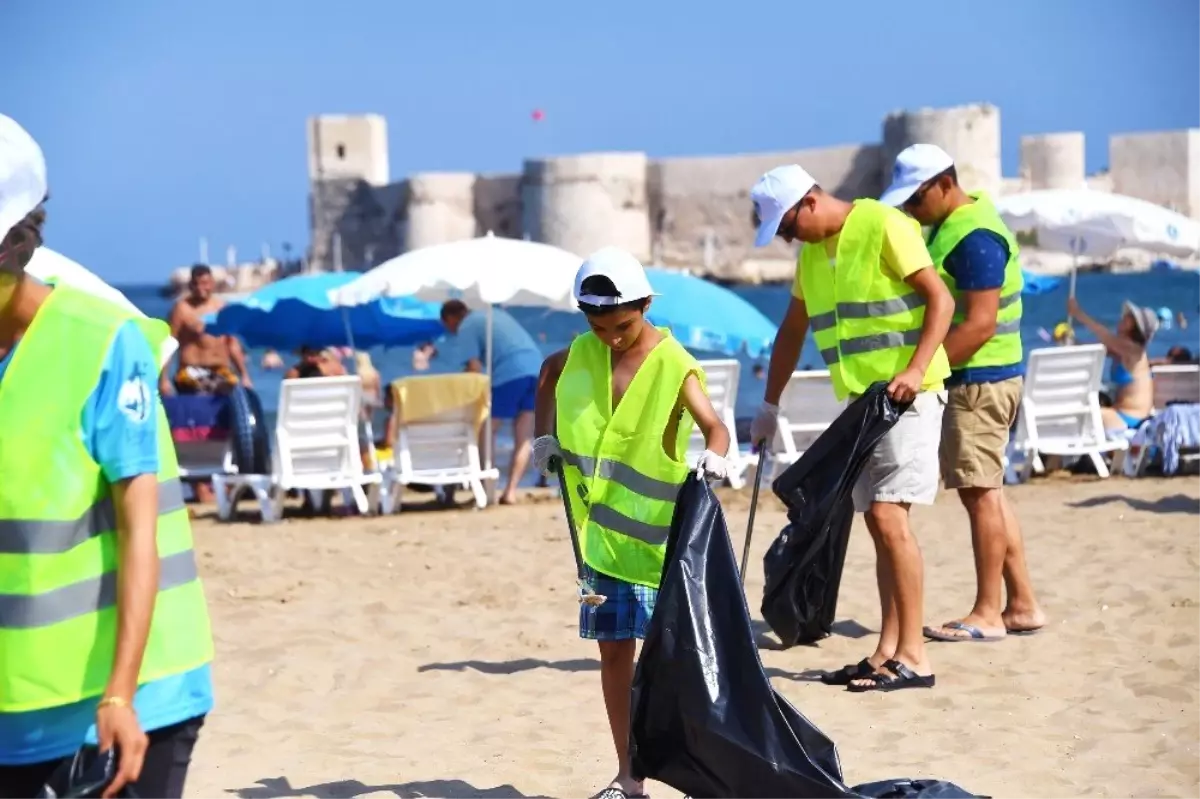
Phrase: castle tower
(346, 155)
(439, 207)
(969, 133)
(1053, 161)
(584, 202)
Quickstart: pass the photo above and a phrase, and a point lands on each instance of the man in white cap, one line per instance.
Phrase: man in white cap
(878, 312)
(615, 411)
(104, 631)
(977, 257)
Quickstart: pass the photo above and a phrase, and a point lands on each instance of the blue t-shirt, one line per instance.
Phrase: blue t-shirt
(514, 353)
(120, 432)
(977, 263)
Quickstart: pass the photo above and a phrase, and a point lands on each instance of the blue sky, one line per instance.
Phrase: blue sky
(166, 121)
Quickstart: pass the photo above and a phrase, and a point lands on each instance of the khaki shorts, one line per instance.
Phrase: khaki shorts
(975, 432)
(904, 466)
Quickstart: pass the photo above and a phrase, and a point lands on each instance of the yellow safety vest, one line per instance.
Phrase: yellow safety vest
(865, 322)
(621, 482)
(58, 547)
(1004, 347)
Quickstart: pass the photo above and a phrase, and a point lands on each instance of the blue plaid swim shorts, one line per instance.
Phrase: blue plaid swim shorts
(624, 616)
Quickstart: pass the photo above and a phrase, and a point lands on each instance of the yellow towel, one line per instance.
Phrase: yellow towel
(418, 398)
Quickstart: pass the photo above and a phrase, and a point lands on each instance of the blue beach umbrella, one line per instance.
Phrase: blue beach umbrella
(1039, 284)
(705, 316)
(296, 312)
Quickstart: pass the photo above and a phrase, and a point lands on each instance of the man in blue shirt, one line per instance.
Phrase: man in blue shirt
(156, 732)
(516, 364)
(983, 400)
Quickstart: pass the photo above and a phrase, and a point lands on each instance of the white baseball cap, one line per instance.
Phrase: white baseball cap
(22, 174)
(774, 195)
(915, 164)
(619, 266)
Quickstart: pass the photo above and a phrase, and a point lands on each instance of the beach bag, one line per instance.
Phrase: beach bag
(803, 566)
(86, 774)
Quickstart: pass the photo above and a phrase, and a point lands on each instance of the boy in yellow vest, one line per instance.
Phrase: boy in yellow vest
(879, 313)
(616, 410)
(977, 257)
(104, 631)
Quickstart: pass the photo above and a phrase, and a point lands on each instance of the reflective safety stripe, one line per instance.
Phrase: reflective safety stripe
(1005, 328)
(48, 537)
(614, 520)
(874, 308)
(830, 356)
(823, 321)
(18, 611)
(880, 341)
(960, 303)
(625, 475)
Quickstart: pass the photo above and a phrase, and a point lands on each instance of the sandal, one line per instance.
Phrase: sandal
(847, 674)
(617, 793)
(973, 635)
(901, 677)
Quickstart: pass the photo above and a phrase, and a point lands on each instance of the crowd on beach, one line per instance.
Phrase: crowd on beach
(935, 318)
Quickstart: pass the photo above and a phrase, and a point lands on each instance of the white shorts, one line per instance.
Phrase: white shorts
(904, 466)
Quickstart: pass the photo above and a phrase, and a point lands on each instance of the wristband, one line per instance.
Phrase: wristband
(113, 701)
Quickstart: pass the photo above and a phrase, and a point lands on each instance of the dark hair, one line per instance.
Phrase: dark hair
(201, 270)
(452, 309)
(601, 286)
(18, 245)
(309, 369)
(951, 173)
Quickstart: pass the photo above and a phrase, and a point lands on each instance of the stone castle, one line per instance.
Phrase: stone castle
(686, 212)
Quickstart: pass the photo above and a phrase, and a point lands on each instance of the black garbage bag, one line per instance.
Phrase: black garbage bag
(705, 719)
(803, 567)
(87, 774)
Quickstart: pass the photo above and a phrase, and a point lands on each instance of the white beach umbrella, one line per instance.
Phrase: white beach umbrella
(481, 272)
(53, 267)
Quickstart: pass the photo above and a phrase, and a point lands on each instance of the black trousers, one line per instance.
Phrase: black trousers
(163, 772)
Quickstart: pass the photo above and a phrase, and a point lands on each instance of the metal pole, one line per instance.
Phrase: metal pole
(487, 443)
(758, 472)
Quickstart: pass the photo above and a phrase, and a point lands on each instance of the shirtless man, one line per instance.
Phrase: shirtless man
(204, 359)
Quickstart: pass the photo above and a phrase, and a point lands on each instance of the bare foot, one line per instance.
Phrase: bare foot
(508, 499)
(971, 628)
(1018, 622)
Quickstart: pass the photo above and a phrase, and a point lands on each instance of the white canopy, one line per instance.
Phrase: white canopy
(484, 271)
(49, 266)
(1096, 224)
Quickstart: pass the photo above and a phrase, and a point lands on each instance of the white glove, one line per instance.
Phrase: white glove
(544, 449)
(765, 424)
(712, 466)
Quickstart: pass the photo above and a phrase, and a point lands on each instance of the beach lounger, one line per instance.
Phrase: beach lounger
(722, 377)
(1171, 436)
(316, 448)
(436, 440)
(1060, 409)
(807, 407)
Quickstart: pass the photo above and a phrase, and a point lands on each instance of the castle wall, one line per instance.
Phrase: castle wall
(1054, 161)
(1162, 167)
(498, 205)
(438, 207)
(341, 147)
(970, 133)
(700, 208)
(584, 202)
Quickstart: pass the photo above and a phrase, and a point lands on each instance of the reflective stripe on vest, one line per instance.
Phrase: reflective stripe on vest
(621, 485)
(1004, 347)
(866, 323)
(58, 544)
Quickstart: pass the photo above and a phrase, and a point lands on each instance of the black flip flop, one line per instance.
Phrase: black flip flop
(904, 678)
(846, 674)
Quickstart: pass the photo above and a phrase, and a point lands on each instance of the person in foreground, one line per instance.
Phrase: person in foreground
(515, 363)
(879, 313)
(104, 631)
(616, 410)
(977, 257)
(1132, 380)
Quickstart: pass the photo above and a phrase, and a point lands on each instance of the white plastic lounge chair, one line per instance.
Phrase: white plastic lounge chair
(1175, 383)
(1060, 409)
(722, 377)
(438, 445)
(808, 406)
(316, 448)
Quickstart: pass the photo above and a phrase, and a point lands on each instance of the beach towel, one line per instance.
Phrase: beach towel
(198, 417)
(418, 399)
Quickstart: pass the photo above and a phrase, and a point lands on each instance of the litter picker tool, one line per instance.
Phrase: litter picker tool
(758, 472)
(587, 594)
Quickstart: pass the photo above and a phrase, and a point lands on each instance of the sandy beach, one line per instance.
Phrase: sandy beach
(435, 653)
